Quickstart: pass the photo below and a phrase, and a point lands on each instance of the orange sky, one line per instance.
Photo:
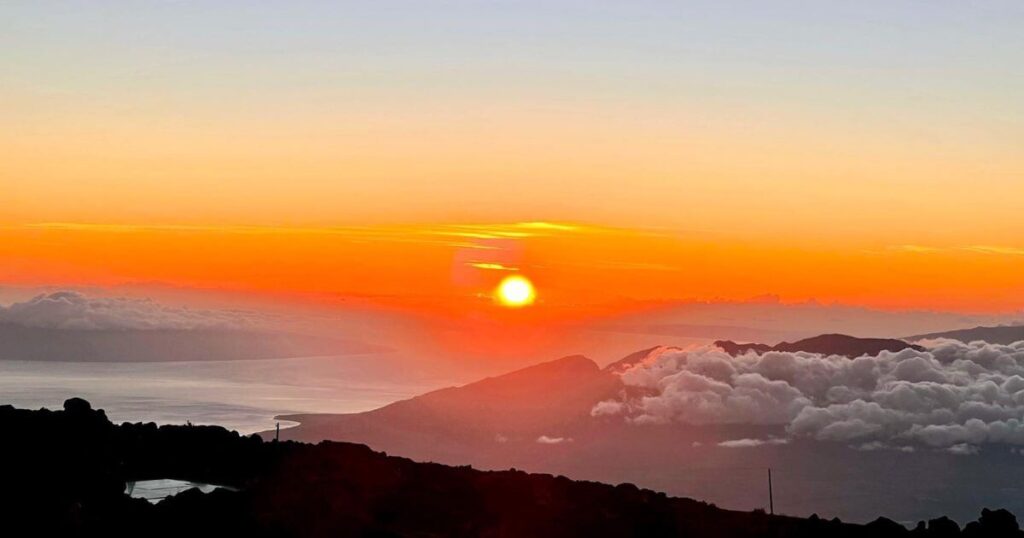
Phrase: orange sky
(450, 270)
(865, 153)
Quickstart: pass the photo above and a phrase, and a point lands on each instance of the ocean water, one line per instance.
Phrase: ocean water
(239, 395)
(155, 491)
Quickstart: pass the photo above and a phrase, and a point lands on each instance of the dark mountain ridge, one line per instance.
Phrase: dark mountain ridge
(66, 471)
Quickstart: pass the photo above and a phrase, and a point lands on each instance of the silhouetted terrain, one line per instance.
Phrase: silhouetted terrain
(994, 335)
(826, 344)
(65, 474)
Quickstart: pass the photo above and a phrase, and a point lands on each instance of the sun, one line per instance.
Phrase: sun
(515, 291)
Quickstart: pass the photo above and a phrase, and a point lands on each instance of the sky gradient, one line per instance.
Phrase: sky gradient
(860, 152)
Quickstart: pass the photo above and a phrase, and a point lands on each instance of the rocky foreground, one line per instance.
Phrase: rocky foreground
(65, 474)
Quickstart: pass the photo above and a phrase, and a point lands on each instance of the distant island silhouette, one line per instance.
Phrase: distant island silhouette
(1003, 334)
(826, 344)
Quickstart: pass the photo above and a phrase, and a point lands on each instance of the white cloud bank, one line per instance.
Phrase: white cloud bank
(953, 395)
(73, 310)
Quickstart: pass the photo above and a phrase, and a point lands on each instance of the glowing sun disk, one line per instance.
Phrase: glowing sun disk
(515, 291)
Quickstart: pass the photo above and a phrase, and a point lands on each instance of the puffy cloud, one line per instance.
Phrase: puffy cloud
(73, 310)
(607, 407)
(950, 394)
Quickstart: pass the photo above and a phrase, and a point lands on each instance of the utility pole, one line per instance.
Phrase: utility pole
(771, 501)
(277, 434)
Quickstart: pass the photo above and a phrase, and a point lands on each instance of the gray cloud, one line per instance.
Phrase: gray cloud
(750, 443)
(73, 310)
(963, 449)
(951, 395)
(878, 445)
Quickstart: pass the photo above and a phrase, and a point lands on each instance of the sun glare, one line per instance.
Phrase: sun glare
(515, 291)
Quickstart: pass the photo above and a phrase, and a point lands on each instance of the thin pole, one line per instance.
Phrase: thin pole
(277, 432)
(771, 500)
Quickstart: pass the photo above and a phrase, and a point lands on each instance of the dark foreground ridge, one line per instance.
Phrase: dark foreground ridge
(825, 344)
(65, 474)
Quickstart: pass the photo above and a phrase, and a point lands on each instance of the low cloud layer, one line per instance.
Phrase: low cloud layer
(73, 310)
(953, 396)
